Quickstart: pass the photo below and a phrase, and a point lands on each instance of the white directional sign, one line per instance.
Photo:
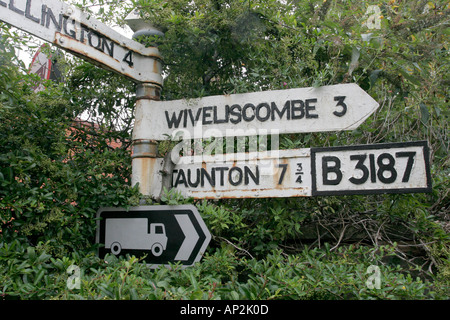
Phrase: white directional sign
(328, 108)
(363, 169)
(280, 173)
(79, 33)
(164, 234)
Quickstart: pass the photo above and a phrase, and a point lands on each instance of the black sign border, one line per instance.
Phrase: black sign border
(426, 154)
(119, 212)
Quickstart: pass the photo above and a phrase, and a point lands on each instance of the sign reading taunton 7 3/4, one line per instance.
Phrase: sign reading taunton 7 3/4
(75, 31)
(362, 169)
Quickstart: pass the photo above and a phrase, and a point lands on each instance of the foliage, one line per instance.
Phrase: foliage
(56, 171)
(32, 273)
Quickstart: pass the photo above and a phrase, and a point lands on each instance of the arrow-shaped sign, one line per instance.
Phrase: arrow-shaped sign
(328, 108)
(77, 32)
(190, 240)
(163, 234)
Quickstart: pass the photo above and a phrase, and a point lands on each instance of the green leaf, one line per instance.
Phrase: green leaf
(424, 113)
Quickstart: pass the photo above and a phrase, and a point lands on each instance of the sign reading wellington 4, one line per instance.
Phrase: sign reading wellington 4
(329, 108)
(362, 169)
(164, 234)
(75, 31)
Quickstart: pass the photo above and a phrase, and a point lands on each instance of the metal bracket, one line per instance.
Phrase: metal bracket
(166, 174)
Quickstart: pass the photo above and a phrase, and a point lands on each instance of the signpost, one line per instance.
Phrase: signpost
(329, 108)
(75, 31)
(362, 169)
(177, 234)
(164, 234)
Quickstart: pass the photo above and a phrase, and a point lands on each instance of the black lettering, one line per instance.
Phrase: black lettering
(258, 112)
(206, 113)
(174, 121)
(409, 164)
(72, 32)
(360, 165)
(197, 181)
(373, 174)
(28, 14)
(98, 46)
(334, 169)
(57, 24)
(234, 113)
(340, 100)
(2, 4)
(309, 108)
(197, 116)
(13, 8)
(386, 167)
(43, 14)
(185, 118)
(128, 58)
(181, 179)
(301, 108)
(83, 30)
(283, 172)
(238, 175)
(222, 171)
(210, 177)
(109, 47)
(215, 120)
(281, 113)
(244, 112)
(248, 173)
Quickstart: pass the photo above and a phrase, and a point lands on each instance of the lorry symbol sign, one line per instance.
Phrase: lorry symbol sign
(129, 233)
(160, 234)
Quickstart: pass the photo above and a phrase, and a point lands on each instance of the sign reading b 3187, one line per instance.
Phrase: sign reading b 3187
(365, 169)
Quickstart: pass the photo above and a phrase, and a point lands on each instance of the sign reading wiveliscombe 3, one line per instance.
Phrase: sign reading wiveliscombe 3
(329, 108)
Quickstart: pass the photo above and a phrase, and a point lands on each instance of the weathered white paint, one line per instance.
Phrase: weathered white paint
(328, 108)
(305, 172)
(279, 173)
(147, 173)
(79, 33)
